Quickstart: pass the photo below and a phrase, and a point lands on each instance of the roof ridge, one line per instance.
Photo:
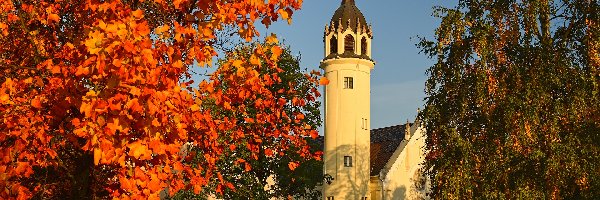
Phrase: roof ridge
(410, 123)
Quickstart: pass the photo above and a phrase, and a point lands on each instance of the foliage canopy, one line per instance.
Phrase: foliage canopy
(267, 170)
(512, 108)
(96, 98)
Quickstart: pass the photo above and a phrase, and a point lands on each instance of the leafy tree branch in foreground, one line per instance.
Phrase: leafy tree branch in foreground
(96, 99)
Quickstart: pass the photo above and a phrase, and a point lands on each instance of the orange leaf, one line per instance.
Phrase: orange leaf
(97, 155)
(36, 103)
(268, 152)
(124, 183)
(293, 165)
(4, 98)
(138, 14)
(324, 81)
(247, 167)
(55, 69)
(314, 134)
(230, 186)
(254, 60)
(178, 64)
(75, 122)
(276, 50)
(53, 18)
(24, 168)
(155, 122)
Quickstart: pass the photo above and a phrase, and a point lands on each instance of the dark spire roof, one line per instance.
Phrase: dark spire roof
(348, 11)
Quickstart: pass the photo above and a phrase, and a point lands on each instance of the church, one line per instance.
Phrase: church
(361, 163)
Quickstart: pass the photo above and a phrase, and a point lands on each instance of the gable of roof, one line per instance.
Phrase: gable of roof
(384, 142)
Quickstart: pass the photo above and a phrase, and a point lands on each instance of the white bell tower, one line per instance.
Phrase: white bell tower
(347, 65)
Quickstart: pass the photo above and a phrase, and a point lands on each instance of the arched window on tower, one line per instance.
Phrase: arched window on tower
(333, 44)
(349, 44)
(363, 46)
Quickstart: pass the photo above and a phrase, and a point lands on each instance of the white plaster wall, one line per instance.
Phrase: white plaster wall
(345, 132)
(398, 182)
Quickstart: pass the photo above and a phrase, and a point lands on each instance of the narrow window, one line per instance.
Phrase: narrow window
(363, 46)
(362, 123)
(349, 44)
(330, 198)
(333, 45)
(347, 161)
(348, 83)
(366, 124)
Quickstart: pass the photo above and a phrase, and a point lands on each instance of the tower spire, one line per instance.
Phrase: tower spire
(347, 64)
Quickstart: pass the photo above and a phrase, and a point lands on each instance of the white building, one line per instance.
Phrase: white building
(361, 163)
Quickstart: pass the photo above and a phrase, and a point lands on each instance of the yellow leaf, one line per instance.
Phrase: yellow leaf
(195, 107)
(155, 122)
(254, 60)
(102, 25)
(276, 50)
(272, 39)
(139, 151)
(68, 44)
(161, 29)
(97, 155)
(94, 139)
(101, 121)
(135, 91)
(170, 105)
(284, 14)
(238, 63)
(111, 28)
(207, 32)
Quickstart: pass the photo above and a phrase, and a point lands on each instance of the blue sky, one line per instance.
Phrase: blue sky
(398, 80)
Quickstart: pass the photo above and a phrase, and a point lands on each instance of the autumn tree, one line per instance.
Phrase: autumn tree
(96, 98)
(265, 170)
(512, 108)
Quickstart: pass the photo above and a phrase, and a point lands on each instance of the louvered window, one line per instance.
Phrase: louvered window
(349, 43)
(333, 45)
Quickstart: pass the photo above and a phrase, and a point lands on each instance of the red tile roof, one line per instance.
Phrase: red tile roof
(384, 141)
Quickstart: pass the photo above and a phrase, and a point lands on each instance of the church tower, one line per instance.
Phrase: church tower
(347, 65)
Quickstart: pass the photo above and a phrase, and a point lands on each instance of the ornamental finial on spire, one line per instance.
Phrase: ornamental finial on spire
(347, 2)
